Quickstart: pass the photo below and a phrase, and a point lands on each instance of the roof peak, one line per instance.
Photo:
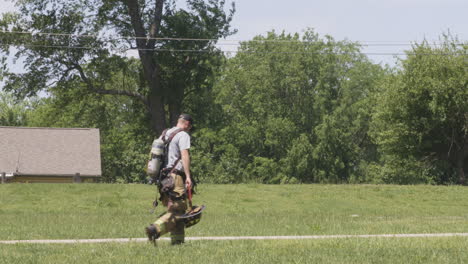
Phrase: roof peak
(48, 128)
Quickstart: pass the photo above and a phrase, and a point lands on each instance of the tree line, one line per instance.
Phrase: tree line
(286, 108)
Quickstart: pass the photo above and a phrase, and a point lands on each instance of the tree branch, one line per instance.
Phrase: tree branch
(186, 94)
(94, 89)
(67, 71)
(137, 24)
(145, 55)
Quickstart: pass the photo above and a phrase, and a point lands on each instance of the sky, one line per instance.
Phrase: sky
(383, 21)
(371, 21)
(364, 20)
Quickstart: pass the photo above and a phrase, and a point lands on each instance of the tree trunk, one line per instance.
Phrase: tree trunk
(461, 173)
(461, 157)
(155, 100)
(175, 102)
(157, 113)
(150, 68)
(174, 112)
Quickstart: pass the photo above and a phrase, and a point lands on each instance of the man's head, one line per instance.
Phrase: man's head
(185, 122)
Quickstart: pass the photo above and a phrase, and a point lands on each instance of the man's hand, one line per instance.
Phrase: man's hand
(188, 182)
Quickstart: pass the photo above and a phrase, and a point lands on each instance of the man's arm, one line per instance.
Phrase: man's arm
(186, 163)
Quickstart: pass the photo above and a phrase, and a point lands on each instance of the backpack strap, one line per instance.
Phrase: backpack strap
(175, 165)
(171, 136)
(163, 135)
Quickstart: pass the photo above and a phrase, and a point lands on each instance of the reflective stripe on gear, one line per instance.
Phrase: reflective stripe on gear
(161, 226)
(192, 222)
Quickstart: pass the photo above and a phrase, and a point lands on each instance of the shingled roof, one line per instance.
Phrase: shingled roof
(50, 151)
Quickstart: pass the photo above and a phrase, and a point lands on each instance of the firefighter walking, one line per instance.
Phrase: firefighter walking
(174, 180)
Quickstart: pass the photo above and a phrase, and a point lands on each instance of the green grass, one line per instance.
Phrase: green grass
(380, 250)
(61, 211)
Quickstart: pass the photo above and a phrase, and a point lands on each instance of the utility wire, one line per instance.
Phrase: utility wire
(228, 51)
(237, 42)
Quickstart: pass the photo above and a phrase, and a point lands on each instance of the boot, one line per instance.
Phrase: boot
(152, 233)
(176, 242)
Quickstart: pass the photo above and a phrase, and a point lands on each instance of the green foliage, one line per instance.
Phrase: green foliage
(285, 109)
(421, 118)
(298, 161)
(90, 40)
(208, 145)
(294, 109)
(400, 171)
(14, 112)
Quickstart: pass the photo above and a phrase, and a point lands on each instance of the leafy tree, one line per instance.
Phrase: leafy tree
(421, 118)
(289, 105)
(343, 147)
(97, 34)
(14, 112)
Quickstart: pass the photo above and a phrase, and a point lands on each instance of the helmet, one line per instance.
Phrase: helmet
(193, 217)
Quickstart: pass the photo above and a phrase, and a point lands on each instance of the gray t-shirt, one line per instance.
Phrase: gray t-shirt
(180, 142)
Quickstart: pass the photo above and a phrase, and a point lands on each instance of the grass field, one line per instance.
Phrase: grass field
(74, 211)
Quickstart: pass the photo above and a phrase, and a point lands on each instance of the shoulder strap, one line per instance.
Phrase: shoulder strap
(163, 135)
(171, 136)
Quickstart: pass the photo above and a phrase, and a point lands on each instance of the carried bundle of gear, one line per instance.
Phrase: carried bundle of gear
(193, 216)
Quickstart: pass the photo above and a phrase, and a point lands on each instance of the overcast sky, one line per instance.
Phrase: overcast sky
(386, 21)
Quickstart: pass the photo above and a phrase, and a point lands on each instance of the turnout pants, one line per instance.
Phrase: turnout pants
(177, 206)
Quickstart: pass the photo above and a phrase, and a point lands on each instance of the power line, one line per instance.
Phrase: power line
(229, 51)
(237, 42)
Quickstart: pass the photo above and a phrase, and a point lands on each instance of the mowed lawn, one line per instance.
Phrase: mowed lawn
(78, 211)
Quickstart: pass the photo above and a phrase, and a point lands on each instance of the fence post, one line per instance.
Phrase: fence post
(3, 177)
(77, 178)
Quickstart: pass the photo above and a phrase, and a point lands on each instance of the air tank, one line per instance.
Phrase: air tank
(157, 158)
